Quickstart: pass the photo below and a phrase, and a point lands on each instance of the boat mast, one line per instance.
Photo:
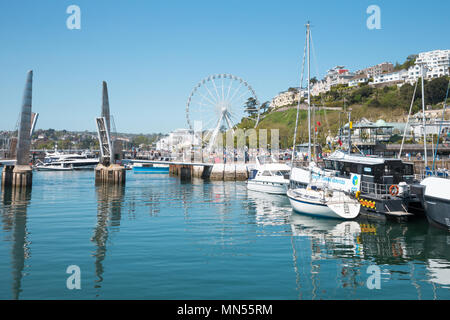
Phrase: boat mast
(349, 132)
(424, 120)
(440, 126)
(309, 90)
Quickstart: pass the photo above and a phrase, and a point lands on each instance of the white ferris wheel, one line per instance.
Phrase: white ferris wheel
(220, 102)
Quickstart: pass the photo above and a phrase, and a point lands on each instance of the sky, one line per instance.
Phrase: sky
(152, 53)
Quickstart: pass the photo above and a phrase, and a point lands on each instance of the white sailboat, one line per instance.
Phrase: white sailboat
(320, 200)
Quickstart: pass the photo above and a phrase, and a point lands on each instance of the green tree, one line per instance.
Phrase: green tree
(265, 106)
(435, 90)
(251, 106)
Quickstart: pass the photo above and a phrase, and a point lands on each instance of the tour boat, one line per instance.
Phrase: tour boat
(269, 176)
(58, 161)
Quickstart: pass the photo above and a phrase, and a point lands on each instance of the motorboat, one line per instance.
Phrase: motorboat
(150, 168)
(58, 161)
(437, 201)
(269, 176)
(386, 186)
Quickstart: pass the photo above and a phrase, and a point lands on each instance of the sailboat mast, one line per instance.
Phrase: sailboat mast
(309, 91)
(349, 132)
(424, 120)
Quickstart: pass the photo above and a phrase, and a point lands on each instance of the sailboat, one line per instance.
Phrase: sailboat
(320, 199)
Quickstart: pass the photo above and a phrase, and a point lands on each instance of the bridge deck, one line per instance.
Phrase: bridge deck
(173, 163)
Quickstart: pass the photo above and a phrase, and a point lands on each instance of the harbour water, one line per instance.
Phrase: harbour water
(161, 238)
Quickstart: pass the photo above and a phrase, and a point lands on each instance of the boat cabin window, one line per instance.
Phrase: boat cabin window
(409, 169)
(281, 173)
(266, 173)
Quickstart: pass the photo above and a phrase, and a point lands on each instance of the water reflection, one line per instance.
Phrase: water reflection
(402, 250)
(109, 211)
(269, 209)
(14, 217)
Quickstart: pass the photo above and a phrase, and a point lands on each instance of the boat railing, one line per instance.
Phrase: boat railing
(441, 173)
(375, 188)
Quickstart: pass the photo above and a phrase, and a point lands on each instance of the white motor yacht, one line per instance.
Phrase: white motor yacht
(58, 161)
(269, 176)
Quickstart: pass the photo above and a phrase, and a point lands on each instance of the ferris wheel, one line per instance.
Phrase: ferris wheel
(220, 102)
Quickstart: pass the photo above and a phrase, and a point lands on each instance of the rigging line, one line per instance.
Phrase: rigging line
(440, 126)
(407, 120)
(298, 104)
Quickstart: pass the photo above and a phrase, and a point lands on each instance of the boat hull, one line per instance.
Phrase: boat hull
(335, 207)
(267, 187)
(438, 212)
(151, 169)
(437, 201)
(311, 207)
(49, 168)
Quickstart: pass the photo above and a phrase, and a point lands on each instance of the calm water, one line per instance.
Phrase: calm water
(159, 238)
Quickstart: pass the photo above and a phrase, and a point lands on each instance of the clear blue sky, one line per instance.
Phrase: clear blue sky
(152, 53)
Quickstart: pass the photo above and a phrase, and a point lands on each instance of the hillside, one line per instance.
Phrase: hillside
(389, 103)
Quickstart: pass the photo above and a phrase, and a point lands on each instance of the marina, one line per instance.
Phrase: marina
(178, 159)
(161, 238)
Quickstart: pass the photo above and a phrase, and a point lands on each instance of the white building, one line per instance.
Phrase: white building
(377, 70)
(178, 139)
(289, 97)
(397, 77)
(359, 78)
(436, 63)
(335, 76)
(433, 119)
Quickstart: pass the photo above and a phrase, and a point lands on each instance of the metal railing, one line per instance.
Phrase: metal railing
(440, 173)
(375, 188)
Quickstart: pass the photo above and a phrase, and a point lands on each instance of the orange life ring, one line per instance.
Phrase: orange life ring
(393, 190)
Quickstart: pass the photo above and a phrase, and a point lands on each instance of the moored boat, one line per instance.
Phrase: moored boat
(324, 203)
(269, 176)
(150, 168)
(437, 201)
(58, 161)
